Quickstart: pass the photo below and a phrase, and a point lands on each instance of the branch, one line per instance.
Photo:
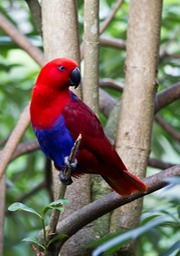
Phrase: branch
(35, 9)
(168, 128)
(108, 203)
(13, 139)
(25, 148)
(110, 17)
(111, 83)
(167, 96)
(156, 163)
(162, 99)
(91, 54)
(34, 190)
(21, 40)
(112, 42)
(106, 102)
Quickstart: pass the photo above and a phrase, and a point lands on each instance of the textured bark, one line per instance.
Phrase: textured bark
(61, 39)
(60, 30)
(91, 54)
(91, 98)
(110, 202)
(137, 111)
(35, 9)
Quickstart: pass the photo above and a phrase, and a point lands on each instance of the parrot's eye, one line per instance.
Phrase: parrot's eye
(61, 68)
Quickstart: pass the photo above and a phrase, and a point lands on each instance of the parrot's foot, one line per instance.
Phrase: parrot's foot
(71, 166)
(65, 174)
(65, 180)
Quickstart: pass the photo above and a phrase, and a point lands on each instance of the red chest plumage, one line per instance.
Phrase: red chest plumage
(47, 106)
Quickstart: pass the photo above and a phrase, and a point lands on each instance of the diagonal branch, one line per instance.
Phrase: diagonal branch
(96, 209)
(25, 148)
(167, 127)
(167, 96)
(13, 140)
(156, 163)
(21, 40)
(108, 20)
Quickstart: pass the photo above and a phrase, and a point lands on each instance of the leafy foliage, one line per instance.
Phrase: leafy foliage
(158, 223)
(58, 205)
(26, 173)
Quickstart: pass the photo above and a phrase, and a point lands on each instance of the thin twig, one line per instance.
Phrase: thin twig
(110, 17)
(34, 190)
(21, 40)
(37, 251)
(67, 173)
(168, 128)
(13, 140)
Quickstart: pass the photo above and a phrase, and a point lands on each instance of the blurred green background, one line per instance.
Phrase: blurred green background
(17, 76)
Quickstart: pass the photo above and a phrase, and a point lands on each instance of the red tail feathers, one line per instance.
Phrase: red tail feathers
(126, 183)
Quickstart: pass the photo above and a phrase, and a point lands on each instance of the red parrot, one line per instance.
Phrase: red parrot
(58, 117)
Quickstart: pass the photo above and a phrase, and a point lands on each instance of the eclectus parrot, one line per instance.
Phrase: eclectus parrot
(58, 117)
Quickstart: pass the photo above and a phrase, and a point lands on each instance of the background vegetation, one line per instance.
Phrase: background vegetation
(28, 178)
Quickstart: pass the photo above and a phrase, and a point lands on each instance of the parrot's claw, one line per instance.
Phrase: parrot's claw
(66, 181)
(71, 166)
(64, 177)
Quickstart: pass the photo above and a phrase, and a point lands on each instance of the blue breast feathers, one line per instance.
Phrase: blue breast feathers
(55, 142)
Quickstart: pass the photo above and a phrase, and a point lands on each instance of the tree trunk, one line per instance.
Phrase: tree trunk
(137, 111)
(61, 39)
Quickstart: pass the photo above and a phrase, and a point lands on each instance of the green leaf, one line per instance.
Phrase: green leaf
(31, 240)
(60, 236)
(126, 236)
(173, 248)
(60, 201)
(58, 205)
(22, 207)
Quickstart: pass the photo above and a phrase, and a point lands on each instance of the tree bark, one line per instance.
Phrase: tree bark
(61, 39)
(137, 111)
(60, 29)
(91, 54)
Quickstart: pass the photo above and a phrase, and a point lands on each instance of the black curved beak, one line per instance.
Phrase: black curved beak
(75, 77)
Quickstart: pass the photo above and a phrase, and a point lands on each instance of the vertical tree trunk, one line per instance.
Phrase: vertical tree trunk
(91, 54)
(91, 96)
(60, 29)
(136, 117)
(61, 39)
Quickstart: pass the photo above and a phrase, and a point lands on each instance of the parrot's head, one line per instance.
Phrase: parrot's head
(59, 74)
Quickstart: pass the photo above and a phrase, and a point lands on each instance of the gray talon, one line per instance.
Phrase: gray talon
(64, 180)
(71, 166)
